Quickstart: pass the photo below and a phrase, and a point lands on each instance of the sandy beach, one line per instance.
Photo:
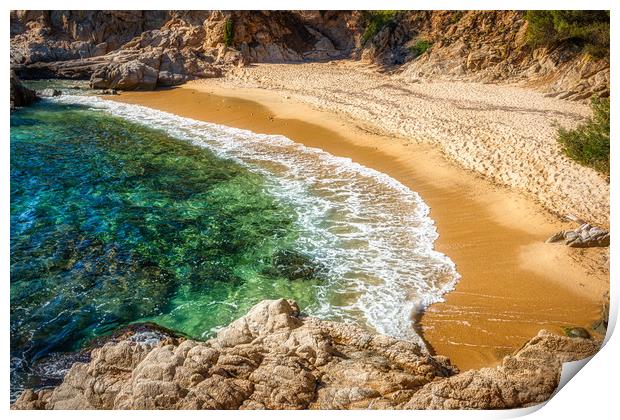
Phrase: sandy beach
(512, 284)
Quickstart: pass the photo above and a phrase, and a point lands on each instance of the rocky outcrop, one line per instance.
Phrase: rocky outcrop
(274, 358)
(122, 46)
(585, 236)
(20, 94)
(141, 50)
(484, 46)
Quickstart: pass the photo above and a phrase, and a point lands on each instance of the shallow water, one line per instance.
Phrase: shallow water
(120, 214)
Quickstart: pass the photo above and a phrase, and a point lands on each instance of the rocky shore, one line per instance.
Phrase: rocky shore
(276, 358)
(147, 49)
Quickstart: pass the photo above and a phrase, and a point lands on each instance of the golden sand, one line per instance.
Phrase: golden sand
(512, 284)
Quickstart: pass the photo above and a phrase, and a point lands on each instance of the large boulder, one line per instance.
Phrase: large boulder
(20, 95)
(132, 75)
(275, 358)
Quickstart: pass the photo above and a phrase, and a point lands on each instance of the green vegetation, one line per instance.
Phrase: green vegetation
(375, 21)
(229, 32)
(586, 28)
(588, 144)
(420, 47)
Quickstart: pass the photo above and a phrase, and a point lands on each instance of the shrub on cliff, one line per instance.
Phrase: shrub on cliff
(375, 21)
(588, 144)
(229, 32)
(420, 47)
(588, 29)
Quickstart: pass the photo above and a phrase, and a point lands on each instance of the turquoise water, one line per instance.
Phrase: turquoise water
(113, 223)
(124, 214)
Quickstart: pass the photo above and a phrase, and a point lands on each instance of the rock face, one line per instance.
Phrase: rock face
(144, 49)
(134, 50)
(273, 358)
(484, 46)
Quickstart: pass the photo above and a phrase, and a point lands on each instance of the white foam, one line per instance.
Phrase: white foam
(372, 232)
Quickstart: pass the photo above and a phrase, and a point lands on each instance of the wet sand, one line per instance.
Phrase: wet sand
(512, 284)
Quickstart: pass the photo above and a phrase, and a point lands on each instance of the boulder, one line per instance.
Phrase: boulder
(276, 358)
(132, 75)
(585, 236)
(20, 95)
(577, 332)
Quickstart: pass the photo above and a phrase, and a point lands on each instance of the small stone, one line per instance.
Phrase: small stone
(576, 332)
(570, 236)
(49, 92)
(557, 237)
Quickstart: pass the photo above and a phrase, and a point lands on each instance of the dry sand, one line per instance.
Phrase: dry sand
(512, 283)
(505, 133)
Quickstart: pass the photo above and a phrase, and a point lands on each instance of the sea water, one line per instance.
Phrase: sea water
(123, 214)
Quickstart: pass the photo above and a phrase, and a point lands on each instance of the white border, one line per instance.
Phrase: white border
(593, 394)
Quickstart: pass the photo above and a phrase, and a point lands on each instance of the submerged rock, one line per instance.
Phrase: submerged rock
(275, 358)
(294, 266)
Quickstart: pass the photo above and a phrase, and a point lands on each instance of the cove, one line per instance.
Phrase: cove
(113, 222)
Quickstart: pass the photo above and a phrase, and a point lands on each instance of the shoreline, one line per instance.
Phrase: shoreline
(512, 283)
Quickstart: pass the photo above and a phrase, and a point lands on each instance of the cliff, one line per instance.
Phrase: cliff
(275, 358)
(146, 49)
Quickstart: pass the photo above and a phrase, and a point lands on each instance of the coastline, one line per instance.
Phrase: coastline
(509, 289)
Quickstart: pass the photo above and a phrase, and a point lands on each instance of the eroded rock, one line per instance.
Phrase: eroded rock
(585, 236)
(274, 358)
(20, 94)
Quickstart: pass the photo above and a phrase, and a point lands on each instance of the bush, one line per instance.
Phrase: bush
(588, 144)
(375, 21)
(229, 32)
(420, 47)
(586, 28)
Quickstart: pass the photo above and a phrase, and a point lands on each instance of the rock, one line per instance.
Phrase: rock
(481, 46)
(576, 332)
(556, 237)
(48, 93)
(275, 358)
(585, 236)
(132, 75)
(143, 50)
(295, 266)
(109, 92)
(525, 378)
(600, 326)
(20, 95)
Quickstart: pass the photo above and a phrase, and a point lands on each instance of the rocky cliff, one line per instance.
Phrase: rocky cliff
(275, 358)
(146, 49)
(484, 46)
(139, 50)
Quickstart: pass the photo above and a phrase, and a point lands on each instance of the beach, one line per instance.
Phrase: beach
(512, 284)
